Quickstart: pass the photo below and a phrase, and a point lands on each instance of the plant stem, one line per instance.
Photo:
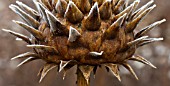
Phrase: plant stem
(81, 81)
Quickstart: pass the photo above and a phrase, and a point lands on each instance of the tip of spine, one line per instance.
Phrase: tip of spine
(124, 15)
(70, 3)
(94, 6)
(34, 0)
(163, 20)
(39, 81)
(34, 45)
(154, 67)
(151, 1)
(11, 59)
(137, 1)
(17, 21)
(153, 6)
(108, 0)
(158, 39)
(11, 6)
(5, 30)
(18, 2)
(18, 39)
(29, 45)
(47, 12)
(13, 20)
(119, 80)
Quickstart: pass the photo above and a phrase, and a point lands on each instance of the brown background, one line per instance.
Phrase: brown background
(157, 53)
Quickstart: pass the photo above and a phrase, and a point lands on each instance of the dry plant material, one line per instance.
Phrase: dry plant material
(86, 33)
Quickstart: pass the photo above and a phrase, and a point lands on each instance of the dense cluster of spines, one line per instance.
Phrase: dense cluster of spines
(86, 33)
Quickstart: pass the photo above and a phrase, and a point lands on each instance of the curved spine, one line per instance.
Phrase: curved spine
(29, 19)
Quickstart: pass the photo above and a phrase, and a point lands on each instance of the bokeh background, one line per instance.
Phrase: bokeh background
(158, 53)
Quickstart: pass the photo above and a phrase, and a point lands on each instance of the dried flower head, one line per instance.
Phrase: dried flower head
(86, 33)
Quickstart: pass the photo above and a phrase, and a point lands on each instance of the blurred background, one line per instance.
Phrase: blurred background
(158, 53)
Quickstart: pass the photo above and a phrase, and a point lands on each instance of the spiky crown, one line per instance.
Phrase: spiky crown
(86, 33)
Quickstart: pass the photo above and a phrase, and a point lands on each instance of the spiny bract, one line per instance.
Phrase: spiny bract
(86, 33)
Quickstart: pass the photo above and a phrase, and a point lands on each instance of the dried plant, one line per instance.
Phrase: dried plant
(85, 33)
